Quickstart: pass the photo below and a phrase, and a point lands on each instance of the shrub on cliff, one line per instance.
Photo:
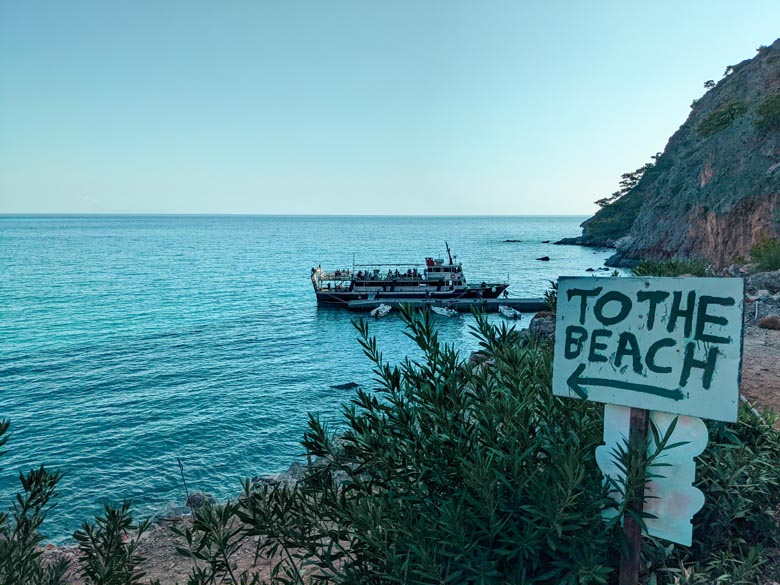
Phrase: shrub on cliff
(767, 253)
(672, 267)
(721, 118)
(769, 113)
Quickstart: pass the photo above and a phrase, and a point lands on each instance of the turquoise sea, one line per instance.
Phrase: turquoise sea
(129, 341)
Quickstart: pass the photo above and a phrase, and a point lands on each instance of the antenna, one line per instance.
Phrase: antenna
(448, 251)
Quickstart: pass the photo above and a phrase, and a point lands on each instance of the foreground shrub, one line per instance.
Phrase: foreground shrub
(109, 547)
(213, 539)
(737, 528)
(20, 555)
(767, 253)
(551, 296)
(108, 554)
(448, 473)
(672, 267)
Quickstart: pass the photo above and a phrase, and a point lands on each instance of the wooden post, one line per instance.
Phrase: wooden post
(629, 562)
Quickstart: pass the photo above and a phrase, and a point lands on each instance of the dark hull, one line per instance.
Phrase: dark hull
(341, 298)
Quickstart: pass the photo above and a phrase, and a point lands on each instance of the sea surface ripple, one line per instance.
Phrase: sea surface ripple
(127, 342)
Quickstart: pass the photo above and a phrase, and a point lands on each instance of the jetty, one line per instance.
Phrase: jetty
(524, 305)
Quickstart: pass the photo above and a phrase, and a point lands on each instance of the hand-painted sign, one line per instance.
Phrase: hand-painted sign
(666, 344)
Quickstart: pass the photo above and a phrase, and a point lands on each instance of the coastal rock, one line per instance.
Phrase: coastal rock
(296, 472)
(768, 281)
(199, 499)
(542, 326)
(478, 357)
(544, 258)
(714, 192)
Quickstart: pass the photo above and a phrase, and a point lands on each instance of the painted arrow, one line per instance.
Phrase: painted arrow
(576, 382)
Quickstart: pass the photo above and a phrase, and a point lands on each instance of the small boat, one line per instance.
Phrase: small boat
(509, 312)
(444, 311)
(380, 311)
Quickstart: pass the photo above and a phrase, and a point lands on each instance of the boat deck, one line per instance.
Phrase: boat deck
(525, 305)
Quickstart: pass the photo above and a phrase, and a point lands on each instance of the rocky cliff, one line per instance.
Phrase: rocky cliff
(715, 189)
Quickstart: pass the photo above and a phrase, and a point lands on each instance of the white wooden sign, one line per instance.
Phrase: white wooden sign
(665, 344)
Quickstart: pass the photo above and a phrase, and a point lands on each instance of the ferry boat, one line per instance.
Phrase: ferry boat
(437, 280)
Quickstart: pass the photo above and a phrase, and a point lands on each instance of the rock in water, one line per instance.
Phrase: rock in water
(347, 386)
(544, 258)
(199, 499)
(715, 189)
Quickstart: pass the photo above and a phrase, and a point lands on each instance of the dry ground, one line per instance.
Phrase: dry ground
(761, 367)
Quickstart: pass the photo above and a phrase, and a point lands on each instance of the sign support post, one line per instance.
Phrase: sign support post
(632, 530)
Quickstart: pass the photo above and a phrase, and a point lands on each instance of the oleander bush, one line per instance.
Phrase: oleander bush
(551, 296)
(109, 556)
(447, 473)
(673, 267)
(109, 547)
(20, 531)
(737, 529)
(453, 473)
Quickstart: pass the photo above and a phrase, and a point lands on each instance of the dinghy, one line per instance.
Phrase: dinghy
(381, 311)
(509, 312)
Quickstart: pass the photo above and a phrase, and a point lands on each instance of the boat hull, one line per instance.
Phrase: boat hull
(336, 298)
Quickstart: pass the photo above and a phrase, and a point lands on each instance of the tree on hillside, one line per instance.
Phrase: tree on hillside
(628, 181)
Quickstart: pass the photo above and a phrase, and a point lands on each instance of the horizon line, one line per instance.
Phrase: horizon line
(152, 214)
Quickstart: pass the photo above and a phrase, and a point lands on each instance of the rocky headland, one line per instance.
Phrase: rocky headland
(714, 191)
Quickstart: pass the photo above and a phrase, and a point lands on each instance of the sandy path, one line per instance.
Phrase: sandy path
(761, 368)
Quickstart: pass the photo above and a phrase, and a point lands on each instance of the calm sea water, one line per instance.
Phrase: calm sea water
(129, 341)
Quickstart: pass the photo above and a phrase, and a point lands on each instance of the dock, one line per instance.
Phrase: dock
(525, 305)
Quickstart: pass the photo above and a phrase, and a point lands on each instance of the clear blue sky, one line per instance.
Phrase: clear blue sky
(394, 107)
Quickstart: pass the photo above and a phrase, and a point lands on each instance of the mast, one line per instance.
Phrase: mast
(448, 251)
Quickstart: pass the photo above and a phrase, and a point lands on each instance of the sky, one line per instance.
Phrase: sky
(401, 107)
